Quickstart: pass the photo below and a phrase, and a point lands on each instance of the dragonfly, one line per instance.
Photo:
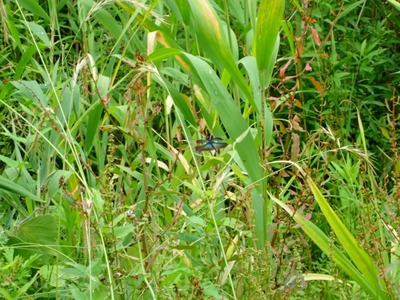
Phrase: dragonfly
(210, 144)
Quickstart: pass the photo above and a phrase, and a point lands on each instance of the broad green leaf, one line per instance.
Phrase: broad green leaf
(26, 57)
(35, 8)
(98, 201)
(358, 255)
(32, 90)
(41, 229)
(395, 4)
(94, 116)
(102, 16)
(8, 185)
(39, 32)
(230, 116)
(250, 64)
(37, 235)
(235, 125)
(179, 101)
(325, 244)
(54, 181)
(213, 37)
(180, 9)
(6, 295)
(270, 14)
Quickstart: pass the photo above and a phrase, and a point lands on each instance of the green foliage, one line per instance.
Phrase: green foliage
(105, 197)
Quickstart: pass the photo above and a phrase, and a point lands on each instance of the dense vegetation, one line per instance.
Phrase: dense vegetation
(103, 195)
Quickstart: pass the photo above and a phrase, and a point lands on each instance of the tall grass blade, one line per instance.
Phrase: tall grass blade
(323, 242)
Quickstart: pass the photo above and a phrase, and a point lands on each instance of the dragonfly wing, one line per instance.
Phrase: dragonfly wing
(210, 144)
(219, 145)
(205, 147)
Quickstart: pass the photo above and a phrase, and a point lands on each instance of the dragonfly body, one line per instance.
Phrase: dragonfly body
(210, 144)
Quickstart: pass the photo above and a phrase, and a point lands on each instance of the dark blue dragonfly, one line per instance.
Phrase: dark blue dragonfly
(210, 144)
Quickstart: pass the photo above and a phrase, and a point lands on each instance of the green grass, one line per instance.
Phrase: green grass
(103, 195)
